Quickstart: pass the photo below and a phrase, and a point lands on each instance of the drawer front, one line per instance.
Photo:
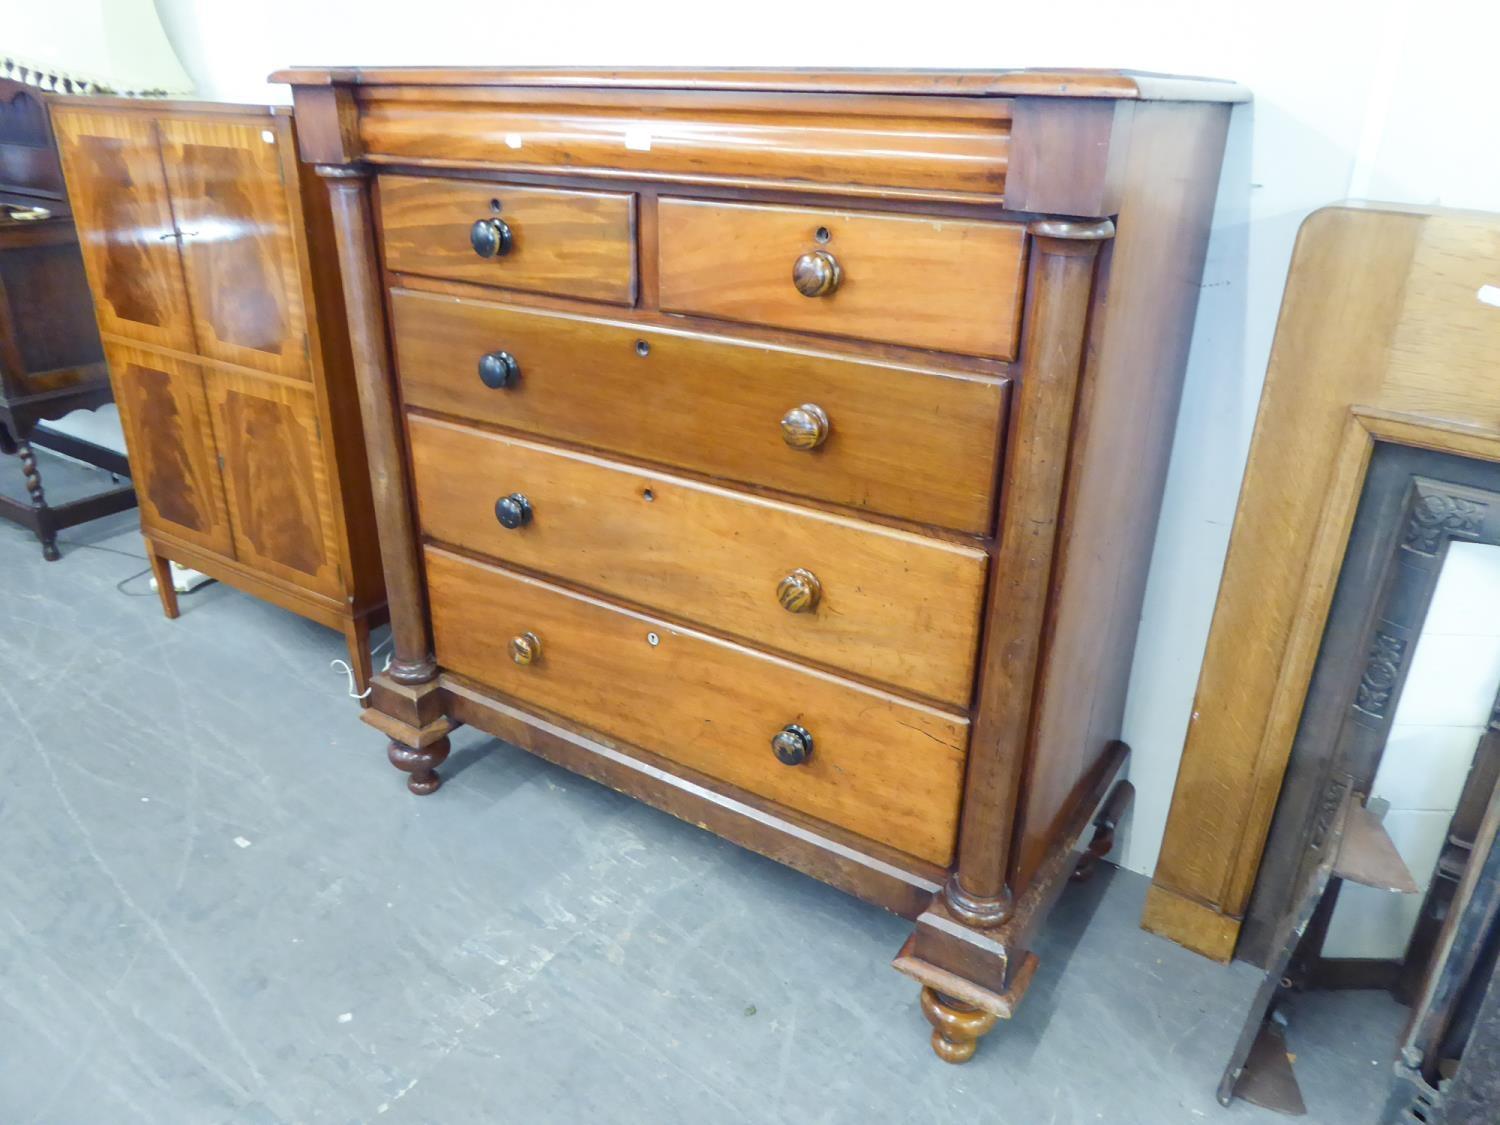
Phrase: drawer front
(570, 243)
(946, 284)
(884, 604)
(912, 443)
(881, 767)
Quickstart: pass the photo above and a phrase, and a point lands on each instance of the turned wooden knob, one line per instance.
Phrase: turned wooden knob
(793, 745)
(816, 273)
(513, 511)
(805, 426)
(490, 238)
(526, 649)
(498, 370)
(799, 591)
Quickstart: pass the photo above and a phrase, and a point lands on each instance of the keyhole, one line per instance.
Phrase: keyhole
(648, 496)
(642, 348)
(495, 206)
(822, 234)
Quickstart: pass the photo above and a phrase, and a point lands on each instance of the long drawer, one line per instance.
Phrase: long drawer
(883, 604)
(879, 766)
(951, 285)
(914, 443)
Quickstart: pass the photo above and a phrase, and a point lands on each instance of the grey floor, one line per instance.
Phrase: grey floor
(219, 904)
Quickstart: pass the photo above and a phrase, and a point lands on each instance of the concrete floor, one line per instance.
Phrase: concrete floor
(219, 904)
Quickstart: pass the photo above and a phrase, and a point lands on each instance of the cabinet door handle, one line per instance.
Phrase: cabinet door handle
(513, 511)
(792, 744)
(498, 370)
(526, 648)
(816, 273)
(490, 238)
(805, 426)
(799, 591)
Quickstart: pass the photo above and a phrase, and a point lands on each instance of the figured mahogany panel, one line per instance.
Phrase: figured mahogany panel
(238, 252)
(946, 284)
(881, 767)
(917, 443)
(169, 439)
(883, 604)
(570, 243)
(125, 226)
(275, 478)
(949, 146)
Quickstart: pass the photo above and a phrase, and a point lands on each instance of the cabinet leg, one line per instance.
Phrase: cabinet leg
(357, 637)
(161, 570)
(44, 529)
(421, 763)
(956, 1027)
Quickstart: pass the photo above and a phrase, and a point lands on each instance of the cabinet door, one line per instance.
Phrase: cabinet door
(238, 248)
(125, 229)
(169, 438)
(275, 479)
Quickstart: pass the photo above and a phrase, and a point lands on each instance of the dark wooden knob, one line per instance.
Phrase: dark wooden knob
(816, 273)
(513, 511)
(526, 649)
(799, 591)
(793, 745)
(490, 238)
(498, 370)
(805, 426)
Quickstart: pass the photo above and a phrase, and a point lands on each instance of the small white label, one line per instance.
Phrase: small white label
(638, 140)
(512, 140)
(1490, 295)
(240, 841)
(268, 136)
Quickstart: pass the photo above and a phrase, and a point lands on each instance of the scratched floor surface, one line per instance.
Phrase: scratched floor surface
(219, 904)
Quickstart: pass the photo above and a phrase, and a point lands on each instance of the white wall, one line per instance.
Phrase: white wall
(1381, 98)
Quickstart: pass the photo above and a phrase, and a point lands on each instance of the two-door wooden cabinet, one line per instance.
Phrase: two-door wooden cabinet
(210, 255)
(783, 449)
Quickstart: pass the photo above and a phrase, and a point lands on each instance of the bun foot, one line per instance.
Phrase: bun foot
(956, 1026)
(420, 763)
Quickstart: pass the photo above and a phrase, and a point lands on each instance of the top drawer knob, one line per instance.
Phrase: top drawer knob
(490, 238)
(498, 370)
(816, 273)
(805, 426)
(513, 511)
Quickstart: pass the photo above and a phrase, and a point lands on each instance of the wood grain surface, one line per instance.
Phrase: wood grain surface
(571, 243)
(918, 443)
(881, 767)
(895, 607)
(946, 284)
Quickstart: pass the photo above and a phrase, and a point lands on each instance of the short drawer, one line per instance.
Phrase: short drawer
(914, 443)
(570, 243)
(927, 282)
(879, 766)
(883, 604)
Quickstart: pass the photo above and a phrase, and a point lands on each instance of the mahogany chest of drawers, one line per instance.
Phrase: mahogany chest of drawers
(783, 449)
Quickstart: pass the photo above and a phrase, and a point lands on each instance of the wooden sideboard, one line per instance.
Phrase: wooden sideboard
(783, 449)
(51, 361)
(217, 293)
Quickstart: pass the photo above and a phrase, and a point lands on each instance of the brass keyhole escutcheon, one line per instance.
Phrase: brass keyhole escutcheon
(799, 591)
(526, 649)
(806, 426)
